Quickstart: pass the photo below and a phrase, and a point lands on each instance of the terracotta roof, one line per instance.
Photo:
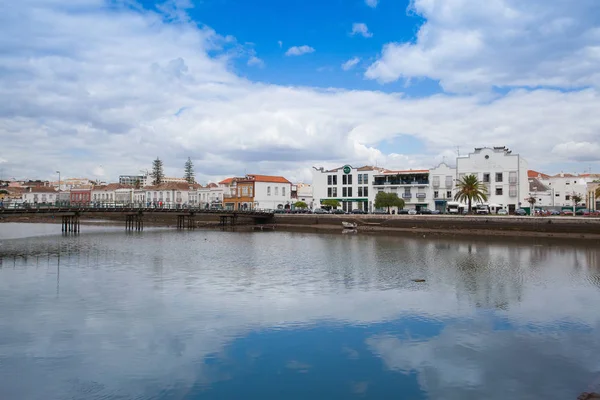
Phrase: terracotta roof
(535, 174)
(112, 186)
(174, 186)
(561, 175)
(41, 189)
(226, 181)
(212, 185)
(268, 178)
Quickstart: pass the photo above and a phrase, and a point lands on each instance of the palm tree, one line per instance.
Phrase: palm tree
(470, 189)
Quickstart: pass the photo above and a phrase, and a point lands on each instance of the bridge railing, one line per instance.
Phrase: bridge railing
(90, 207)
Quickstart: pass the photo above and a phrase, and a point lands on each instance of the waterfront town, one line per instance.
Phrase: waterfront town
(511, 187)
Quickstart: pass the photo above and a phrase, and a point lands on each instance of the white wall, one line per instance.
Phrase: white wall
(497, 161)
(270, 195)
(320, 186)
(561, 187)
(40, 197)
(442, 179)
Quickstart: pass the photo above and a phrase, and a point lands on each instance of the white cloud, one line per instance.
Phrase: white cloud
(469, 45)
(299, 50)
(578, 151)
(360, 28)
(255, 61)
(351, 63)
(371, 3)
(118, 88)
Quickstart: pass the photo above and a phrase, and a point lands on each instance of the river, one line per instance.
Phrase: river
(166, 314)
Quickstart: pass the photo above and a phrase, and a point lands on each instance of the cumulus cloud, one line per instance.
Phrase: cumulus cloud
(299, 50)
(371, 3)
(469, 45)
(578, 151)
(118, 87)
(255, 61)
(351, 63)
(360, 28)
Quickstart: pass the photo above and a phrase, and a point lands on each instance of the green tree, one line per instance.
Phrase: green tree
(469, 190)
(598, 193)
(331, 203)
(300, 204)
(189, 171)
(137, 184)
(576, 199)
(531, 200)
(157, 172)
(383, 200)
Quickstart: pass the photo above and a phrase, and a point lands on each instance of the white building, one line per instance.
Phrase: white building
(303, 192)
(352, 187)
(563, 186)
(503, 173)
(170, 195)
(412, 186)
(271, 192)
(40, 195)
(443, 186)
(211, 195)
(113, 193)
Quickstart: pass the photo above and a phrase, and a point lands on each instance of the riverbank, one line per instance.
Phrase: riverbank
(442, 225)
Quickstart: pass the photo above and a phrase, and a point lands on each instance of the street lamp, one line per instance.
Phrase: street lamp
(58, 200)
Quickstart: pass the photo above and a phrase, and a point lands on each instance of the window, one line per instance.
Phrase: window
(512, 177)
(244, 190)
(360, 189)
(498, 190)
(344, 179)
(486, 177)
(436, 194)
(512, 191)
(366, 191)
(349, 179)
(329, 192)
(461, 176)
(268, 190)
(334, 179)
(366, 179)
(344, 192)
(498, 176)
(567, 197)
(350, 191)
(557, 195)
(334, 192)
(276, 191)
(436, 181)
(250, 191)
(448, 194)
(567, 183)
(329, 179)
(448, 181)
(360, 181)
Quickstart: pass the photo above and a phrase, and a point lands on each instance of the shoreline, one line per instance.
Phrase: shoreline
(443, 226)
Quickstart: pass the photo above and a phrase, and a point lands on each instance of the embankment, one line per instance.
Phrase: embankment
(559, 227)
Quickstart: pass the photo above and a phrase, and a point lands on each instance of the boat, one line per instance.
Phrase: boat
(349, 225)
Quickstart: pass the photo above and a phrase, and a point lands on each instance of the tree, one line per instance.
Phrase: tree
(137, 184)
(383, 200)
(469, 190)
(300, 204)
(598, 192)
(331, 203)
(576, 198)
(189, 171)
(531, 200)
(157, 172)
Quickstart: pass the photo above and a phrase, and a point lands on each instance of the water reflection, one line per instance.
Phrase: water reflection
(206, 314)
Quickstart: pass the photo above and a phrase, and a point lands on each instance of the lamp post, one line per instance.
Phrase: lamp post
(58, 172)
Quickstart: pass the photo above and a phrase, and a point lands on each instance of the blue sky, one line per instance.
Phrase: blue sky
(102, 87)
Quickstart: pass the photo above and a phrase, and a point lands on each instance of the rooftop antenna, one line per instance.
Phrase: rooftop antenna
(458, 151)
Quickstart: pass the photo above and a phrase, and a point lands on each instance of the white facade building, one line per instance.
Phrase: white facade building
(303, 192)
(562, 187)
(352, 187)
(271, 192)
(40, 195)
(170, 194)
(503, 174)
(211, 195)
(442, 180)
(412, 186)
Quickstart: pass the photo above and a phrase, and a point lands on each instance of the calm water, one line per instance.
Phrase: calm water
(272, 315)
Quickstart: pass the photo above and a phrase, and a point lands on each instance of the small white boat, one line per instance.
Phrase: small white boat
(349, 225)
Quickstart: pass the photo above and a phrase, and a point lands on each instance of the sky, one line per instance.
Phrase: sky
(100, 88)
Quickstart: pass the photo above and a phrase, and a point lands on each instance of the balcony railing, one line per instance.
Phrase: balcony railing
(399, 182)
(406, 195)
(421, 195)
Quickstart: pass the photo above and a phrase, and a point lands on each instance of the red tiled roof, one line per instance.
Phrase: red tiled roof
(269, 178)
(41, 189)
(226, 181)
(112, 186)
(212, 185)
(183, 186)
(535, 174)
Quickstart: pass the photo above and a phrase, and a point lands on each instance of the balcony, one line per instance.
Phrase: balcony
(407, 196)
(395, 182)
(421, 196)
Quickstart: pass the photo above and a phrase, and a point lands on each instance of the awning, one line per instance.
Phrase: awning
(342, 200)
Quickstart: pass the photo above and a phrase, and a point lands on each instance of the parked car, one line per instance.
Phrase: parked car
(338, 211)
(520, 211)
(566, 212)
(320, 211)
(403, 211)
(584, 211)
(436, 212)
(380, 212)
(554, 212)
(424, 211)
(357, 211)
(412, 212)
(502, 211)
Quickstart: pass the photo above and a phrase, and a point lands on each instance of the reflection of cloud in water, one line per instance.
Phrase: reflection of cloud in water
(474, 361)
(139, 313)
